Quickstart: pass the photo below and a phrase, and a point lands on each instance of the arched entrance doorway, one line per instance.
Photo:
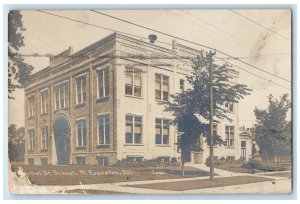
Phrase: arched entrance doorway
(62, 140)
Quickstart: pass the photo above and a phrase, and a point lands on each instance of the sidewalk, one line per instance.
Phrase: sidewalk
(224, 173)
(220, 172)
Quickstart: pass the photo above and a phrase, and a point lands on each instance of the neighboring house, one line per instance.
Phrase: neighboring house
(101, 104)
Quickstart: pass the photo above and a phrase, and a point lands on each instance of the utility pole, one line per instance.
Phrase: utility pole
(211, 148)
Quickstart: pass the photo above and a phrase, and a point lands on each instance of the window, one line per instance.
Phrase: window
(61, 95)
(162, 131)
(44, 139)
(31, 136)
(103, 130)
(133, 133)
(215, 132)
(102, 161)
(243, 144)
(103, 83)
(229, 134)
(44, 102)
(181, 85)
(80, 161)
(133, 82)
(215, 129)
(161, 87)
(229, 106)
(31, 106)
(81, 132)
(44, 161)
(81, 89)
(31, 161)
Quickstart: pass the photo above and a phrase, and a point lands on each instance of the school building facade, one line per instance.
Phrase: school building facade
(102, 104)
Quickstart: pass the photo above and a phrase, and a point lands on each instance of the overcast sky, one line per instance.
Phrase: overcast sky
(222, 29)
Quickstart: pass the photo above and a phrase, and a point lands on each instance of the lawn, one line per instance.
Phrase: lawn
(283, 174)
(74, 175)
(238, 169)
(266, 167)
(200, 184)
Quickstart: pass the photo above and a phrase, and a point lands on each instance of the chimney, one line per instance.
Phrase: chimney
(152, 38)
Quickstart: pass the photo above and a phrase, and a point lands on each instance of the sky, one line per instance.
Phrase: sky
(262, 40)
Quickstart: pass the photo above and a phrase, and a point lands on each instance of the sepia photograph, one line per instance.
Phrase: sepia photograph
(150, 101)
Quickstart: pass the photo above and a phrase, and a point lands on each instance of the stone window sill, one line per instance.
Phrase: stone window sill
(162, 145)
(102, 99)
(138, 145)
(80, 148)
(131, 96)
(80, 105)
(103, 146)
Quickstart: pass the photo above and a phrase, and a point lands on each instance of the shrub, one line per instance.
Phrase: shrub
(222, 159)
(216, 161)
(252, 164)
(155, 162)
(230, 158)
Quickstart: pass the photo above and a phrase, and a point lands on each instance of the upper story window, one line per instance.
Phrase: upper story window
(162, 132)
(44, 101)
(81, 132)
(133, 129)
(61, 95)
(181, 85)
(103, 82)
(133, 82)
(31, 106)
(31, 138)
(44, 139)
(161, 87)
(103, 130)
(215, 132)
(81, 89)
(229, 106)
(229, 136)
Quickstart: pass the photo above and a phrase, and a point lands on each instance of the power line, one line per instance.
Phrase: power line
(259, 24)
(268, 80)
(256, 56)
(220, 35)
(221, 30)
(36, 55)
(97, 26)
(191, 43)
(213, 26)
(151, 57)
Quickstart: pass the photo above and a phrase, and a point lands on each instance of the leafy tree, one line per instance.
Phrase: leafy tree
(196, 101)
(272, 131)
(16, 146)
(18, 70)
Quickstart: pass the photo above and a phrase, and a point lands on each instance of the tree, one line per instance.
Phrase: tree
(16, 143)
(272, 131)
(18, 70)
(196, 101)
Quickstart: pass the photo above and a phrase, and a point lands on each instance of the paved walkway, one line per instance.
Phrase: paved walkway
(220, 172)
